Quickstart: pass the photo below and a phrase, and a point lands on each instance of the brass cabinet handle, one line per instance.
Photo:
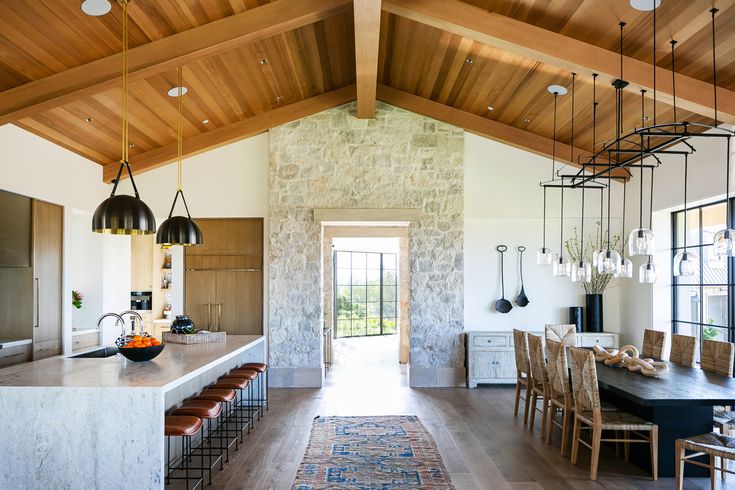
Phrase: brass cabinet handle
(209, 314)
(219, 316)
(38, 302)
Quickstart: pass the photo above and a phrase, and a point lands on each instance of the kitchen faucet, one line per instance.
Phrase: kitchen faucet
(119, 321)
(140, 320)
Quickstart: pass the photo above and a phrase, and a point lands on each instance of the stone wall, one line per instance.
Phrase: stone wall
(397, 160)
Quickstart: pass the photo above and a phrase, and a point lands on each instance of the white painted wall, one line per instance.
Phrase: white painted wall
(503, 205)
(649, 306)
(34, 167)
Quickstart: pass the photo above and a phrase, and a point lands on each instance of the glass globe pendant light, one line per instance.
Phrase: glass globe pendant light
(179, 230)
(544, 255)
(561, 266)
(625, 267)
(686, 263)
(724, 241)
(123, 214)
(647, 272)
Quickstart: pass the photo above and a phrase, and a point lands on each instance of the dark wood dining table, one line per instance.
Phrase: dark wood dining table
(680, 402)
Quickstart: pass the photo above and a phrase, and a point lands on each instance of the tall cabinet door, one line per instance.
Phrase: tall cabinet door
(48, 222)
(201, 298)
(240, 302)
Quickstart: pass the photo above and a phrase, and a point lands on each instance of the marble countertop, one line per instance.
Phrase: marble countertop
(174, 366)
(8, 343)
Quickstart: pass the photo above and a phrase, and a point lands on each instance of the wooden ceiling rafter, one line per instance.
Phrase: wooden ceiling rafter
(483, 126)
(564, 52)
(165, 54)
(231, 133)
(367, 41)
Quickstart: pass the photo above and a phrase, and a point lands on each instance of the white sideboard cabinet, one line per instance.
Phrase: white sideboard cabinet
(491, 357)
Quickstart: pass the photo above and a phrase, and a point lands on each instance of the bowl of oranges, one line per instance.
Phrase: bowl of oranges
(140, 348)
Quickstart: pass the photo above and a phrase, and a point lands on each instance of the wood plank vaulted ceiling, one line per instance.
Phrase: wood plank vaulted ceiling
(253, 64)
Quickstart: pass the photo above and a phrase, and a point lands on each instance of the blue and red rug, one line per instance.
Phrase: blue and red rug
(371, 453)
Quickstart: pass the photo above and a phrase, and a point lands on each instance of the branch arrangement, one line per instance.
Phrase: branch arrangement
(596, 241)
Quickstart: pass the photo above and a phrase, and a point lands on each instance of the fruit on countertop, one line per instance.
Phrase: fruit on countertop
(138, 341)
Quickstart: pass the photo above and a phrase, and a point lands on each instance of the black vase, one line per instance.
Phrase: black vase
(593, 313)
(575, 317)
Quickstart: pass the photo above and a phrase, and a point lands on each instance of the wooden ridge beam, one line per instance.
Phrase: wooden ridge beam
(563, 52)
(234, 132)
(367, 41)
(165, 54)
(483, 126)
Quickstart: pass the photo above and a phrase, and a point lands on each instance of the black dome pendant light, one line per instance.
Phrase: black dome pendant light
(179, 230)
(124, 214)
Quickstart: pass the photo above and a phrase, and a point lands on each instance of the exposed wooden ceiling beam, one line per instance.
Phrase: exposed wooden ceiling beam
(236, 131)
(561, 51)
(165, 54)
(482, 126)
(367, 41)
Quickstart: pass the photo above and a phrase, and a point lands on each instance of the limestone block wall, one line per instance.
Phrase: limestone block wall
(397, 160)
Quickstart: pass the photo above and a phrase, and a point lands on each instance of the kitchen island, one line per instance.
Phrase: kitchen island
(98, 422)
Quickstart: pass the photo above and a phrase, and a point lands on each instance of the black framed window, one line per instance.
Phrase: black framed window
(366, 293)
(702, 304)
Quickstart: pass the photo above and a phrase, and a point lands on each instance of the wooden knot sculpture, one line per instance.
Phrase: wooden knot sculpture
(629, 357)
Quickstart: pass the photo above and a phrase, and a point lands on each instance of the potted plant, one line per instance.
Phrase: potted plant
(594, 289)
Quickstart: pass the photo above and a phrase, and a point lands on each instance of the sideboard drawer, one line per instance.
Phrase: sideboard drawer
(590, 340)
(490, 341)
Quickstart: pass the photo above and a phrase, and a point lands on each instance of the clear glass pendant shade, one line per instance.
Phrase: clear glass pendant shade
(596, 256)
(625, 268)
(647, 273)
(686, 263)
(608, 262)
(581, 271)
(561, 267)
(725, 243)
(641, 242)
(544, 256)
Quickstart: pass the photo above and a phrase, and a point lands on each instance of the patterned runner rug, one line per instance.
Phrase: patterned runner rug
(371, 453)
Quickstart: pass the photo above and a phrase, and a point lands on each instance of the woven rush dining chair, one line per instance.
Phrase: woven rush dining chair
(539, 381)
(717, 357)
(588, 415)
(564, 333)
(560, 392)
(716, 446)
(683, 350)
(653, 344)
(523, 373)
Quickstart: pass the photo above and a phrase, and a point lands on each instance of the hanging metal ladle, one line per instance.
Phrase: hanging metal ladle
(522, 299)
(502, 305)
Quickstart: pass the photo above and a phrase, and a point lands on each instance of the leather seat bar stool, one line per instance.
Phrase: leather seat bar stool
(248, 405)
(225, 397)
(253, 376)
(240, 385)
(184, 427)
(207, 410)
(262, 368)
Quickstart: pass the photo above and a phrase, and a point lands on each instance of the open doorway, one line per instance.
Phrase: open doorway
(366, 304)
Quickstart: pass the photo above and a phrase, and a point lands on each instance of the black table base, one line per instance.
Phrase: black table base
(674, 422)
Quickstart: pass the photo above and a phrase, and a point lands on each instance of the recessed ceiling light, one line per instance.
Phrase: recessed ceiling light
(205, 121)
(131, 145)
(469, 61)
(490, 108)
(88, 119)
(279, 98)
(526, 120)
(646, 118)
(174, 92)
(557, 89)
(96, 7)
(264, 61)
(645, 5)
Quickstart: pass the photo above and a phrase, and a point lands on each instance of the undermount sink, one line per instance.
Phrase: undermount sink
(99, 353)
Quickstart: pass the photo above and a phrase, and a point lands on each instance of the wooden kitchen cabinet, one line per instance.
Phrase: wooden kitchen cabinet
(141, 262)
(48, 223)
(223, 285)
